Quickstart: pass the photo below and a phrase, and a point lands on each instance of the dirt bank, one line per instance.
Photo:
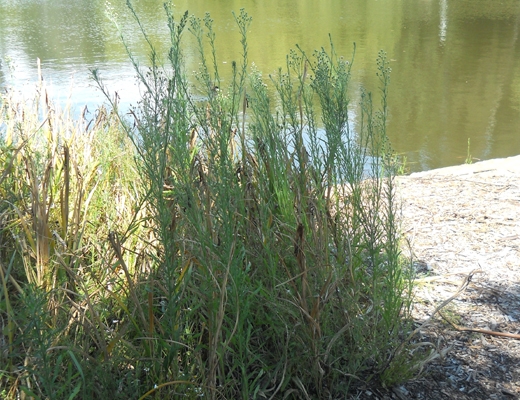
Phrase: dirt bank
(458, 220)
(463, 227)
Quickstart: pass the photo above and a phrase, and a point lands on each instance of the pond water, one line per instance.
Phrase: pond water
(455, 63)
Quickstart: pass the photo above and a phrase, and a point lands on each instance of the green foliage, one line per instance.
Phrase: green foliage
(244, 245)
(469, 158)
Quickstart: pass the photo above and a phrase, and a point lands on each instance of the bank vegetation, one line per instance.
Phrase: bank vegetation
(236, 240)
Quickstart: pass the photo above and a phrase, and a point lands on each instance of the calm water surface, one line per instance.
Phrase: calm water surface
(456, 63)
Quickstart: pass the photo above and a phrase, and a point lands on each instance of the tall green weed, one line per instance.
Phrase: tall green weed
(279, 238)
(242, 242)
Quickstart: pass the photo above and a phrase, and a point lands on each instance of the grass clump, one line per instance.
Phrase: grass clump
(65, 184)
(244, 245)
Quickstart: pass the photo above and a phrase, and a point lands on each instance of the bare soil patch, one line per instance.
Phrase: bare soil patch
(460, 220)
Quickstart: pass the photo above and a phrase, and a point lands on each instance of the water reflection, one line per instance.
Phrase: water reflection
(456, 64)
(443, 25)
(467, 82)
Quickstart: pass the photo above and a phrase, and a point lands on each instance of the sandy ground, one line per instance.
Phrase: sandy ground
(463, 226)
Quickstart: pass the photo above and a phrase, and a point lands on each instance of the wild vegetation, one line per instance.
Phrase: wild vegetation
(226, 243)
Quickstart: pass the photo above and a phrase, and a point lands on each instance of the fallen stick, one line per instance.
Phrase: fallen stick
(460, 289)
(479, 330)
